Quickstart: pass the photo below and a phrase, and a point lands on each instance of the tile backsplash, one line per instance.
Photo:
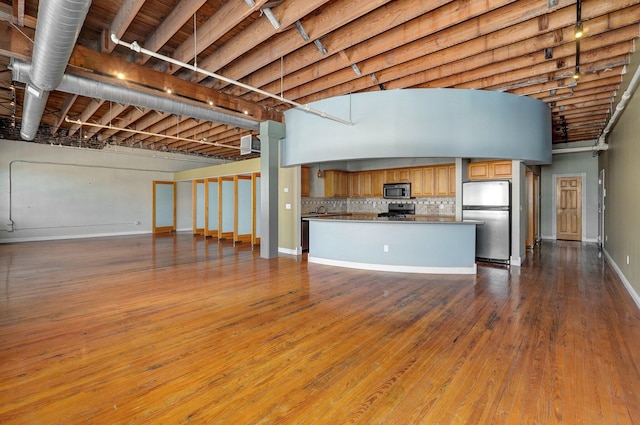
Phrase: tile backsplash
(432, 206)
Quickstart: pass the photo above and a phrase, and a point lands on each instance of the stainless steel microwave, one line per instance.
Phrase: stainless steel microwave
(396, 190)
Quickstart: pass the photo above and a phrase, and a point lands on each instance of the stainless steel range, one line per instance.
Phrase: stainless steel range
(399, 210)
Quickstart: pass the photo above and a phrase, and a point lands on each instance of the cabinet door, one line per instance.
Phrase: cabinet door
(428, 181)
(355, 184)
(442, 180)
(452, 180)
(403, 175)
(377, 177)
(417, 182)
(330, 177)
(390, 176)
(305, 181)
(366, 184)
(500, 169)
(343, 184)
(478, 170)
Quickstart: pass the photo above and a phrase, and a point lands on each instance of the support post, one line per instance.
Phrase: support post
(271, 133)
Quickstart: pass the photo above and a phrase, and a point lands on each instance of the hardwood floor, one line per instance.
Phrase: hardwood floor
(177, 329)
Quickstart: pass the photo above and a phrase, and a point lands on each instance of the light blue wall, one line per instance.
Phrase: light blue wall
(227, 206)
(410, 244)
(244, 206)
(199, 205)
(570, 164)
(212, 199)
(444, 123)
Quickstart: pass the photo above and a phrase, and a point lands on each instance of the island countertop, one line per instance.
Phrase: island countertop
(411, 219)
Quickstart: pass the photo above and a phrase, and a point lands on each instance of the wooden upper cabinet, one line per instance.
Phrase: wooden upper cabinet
(428, 181)
(336, 184)
(417, 181)
(489, 170)
(452, 179)
(500, 169)
(478, 170)
(377, 177)
(442, 180)
(403, 175)
(355, 184)
(305, 181)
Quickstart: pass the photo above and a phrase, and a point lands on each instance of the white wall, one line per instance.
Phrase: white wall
(53, 192)
(582, 163)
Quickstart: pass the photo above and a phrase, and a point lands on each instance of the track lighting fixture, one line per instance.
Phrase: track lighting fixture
(578, 31)
(576, 73)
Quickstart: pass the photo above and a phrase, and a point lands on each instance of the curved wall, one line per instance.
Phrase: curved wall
(411, 123)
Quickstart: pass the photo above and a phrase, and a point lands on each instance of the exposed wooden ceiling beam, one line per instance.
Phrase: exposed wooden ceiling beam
(179, 15)
(230, 15)
(258, 32)
(127, 12)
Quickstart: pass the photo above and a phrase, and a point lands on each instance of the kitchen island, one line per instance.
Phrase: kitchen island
(438, 245)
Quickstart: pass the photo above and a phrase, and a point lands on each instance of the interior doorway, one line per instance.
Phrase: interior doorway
(569, 208)
(533, 209)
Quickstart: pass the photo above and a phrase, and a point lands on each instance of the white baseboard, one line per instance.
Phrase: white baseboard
(288, 251)
(83, 236)
(626, 283)
(553, 238)
(394, 268)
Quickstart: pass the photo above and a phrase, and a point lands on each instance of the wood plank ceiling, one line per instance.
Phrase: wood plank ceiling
(322, 48)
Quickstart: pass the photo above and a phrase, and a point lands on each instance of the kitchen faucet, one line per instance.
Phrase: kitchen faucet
(321, 210)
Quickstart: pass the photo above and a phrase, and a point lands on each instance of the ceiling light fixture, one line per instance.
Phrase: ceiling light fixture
(168, 91)
(578, 31)
(576, 74)
(120, 76)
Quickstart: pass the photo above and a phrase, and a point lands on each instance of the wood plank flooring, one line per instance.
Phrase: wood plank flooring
(180, 330)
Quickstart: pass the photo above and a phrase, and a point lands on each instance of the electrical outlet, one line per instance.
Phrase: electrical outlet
(385, 248)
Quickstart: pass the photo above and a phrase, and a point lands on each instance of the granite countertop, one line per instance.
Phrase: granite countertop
(410, 219)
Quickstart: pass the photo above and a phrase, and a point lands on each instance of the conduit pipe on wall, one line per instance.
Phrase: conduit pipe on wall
(633, 85)
(595, 148)
(58, 27)
(138, 49)
(82, 86)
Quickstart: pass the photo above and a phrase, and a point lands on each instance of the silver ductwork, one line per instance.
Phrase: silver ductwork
(82, 86)
(59, 23)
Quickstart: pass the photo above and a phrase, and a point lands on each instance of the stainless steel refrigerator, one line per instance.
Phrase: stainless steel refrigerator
(490, 202)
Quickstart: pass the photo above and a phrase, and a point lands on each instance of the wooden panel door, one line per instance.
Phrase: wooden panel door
(569, 208)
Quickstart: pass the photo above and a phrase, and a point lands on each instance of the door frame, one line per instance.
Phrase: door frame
(583, 206)
(602, 206)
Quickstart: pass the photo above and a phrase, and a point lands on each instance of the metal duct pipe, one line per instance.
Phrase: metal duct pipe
(100, 90)
(59, 23)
